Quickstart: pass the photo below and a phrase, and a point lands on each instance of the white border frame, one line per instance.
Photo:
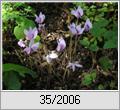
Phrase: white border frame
(46, 1)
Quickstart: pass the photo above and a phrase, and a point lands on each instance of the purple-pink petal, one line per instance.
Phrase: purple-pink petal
(74, 12)
(61, 44)
(74, 65)
(88, 25)
(40, 19)
(27, 50)
(35, 32)
(78, 65)
(31, 33)
(21, 43)
(76, 29)
(35, 46)
(32, 47)
(79, 29)
(80, 11)
(77, 12)
(72, 28)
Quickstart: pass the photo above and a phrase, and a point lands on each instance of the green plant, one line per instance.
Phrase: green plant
(14, 12)
(104, 33)
(102, 37)
(111, 38)
(89, 78)
(11, 81)
(105, 63)
(23, 24)
(11, 11)
(12, 73)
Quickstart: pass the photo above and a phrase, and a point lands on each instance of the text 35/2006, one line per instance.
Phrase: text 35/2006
(59, 99)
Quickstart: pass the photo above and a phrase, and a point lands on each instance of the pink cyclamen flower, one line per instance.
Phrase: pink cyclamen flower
(31, 33)
(32, 47)
(88, 25)
(76, 29)
(74, 65)
(61, 44)
(77, 12)
(40, 19)
(21, 43)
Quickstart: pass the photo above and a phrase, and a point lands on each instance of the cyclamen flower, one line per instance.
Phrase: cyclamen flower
(31, 33)
(74, 65)
(51, 56)
(21, 43)
(88, 25)
(32, 47)
(40, 19)
(61, 44)
(77, 12)
(76, 29)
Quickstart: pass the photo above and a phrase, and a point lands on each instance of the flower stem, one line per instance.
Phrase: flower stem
(70, 47)
(76, 41)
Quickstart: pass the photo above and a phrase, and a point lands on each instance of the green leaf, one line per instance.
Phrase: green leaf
(93, 74)
(85, 42)
(18, 4)
(105, 63)
(18, 31)
(108, 35)
(19, 69)
(93, 47)
(97, 31)
(23, 24)
(89, 78)
(110, 44)
(101, 23)
(11, 81)
(111, 38)
(37, 39)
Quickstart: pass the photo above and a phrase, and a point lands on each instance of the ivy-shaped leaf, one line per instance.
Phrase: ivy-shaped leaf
(93, 47)
(85, 42)
(105, 63)
(99, 29)
(89, 78)
(111, 38)
(110, 44)
(101, 23)
(23, 24)
(108, 35)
